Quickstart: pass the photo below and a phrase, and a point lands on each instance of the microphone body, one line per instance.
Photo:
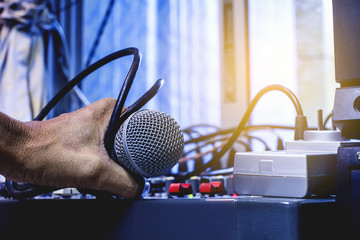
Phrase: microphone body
(149, 143)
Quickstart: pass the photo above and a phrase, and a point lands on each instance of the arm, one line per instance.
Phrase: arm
(67, 151)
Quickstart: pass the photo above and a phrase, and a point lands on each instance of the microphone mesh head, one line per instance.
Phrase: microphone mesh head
(149, 143)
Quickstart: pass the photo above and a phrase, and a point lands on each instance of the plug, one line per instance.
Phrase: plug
(300, 127)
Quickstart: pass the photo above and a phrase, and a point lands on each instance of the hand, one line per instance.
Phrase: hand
(68, 151)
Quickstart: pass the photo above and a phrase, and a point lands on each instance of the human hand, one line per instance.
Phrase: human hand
(69, 151)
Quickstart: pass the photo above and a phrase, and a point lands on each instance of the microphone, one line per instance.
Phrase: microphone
(148, 143)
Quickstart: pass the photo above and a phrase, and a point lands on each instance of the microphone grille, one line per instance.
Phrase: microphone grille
(149, 143)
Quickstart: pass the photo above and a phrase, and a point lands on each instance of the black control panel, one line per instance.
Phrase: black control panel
(220, 217)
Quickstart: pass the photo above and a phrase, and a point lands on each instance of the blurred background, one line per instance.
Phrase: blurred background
(214, 55)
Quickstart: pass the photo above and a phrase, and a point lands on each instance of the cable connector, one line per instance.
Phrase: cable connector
(300, 127)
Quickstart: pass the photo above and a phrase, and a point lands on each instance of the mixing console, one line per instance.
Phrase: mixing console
(201, 208)
(219, 217)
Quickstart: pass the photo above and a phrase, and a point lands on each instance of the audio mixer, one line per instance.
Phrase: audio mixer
(211, 211)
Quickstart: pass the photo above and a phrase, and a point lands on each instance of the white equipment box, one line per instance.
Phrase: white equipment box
(305, 168)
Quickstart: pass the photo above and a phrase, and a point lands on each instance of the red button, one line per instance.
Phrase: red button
(212, 188)
(180, 188)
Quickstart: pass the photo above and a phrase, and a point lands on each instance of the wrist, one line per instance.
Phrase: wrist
(15, 136)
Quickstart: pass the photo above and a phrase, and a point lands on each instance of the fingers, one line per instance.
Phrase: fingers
(119, 181)
(112, 177)
(101, 112)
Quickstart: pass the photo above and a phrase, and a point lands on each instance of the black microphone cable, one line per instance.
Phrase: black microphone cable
(327, 119)
(300, 127)
(77, 79)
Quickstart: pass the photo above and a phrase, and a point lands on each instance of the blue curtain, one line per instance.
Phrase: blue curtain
(33, 60)
(179, 41)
